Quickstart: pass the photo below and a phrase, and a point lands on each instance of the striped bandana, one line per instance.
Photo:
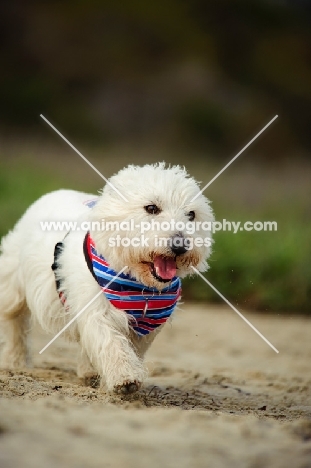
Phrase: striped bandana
(147, 308)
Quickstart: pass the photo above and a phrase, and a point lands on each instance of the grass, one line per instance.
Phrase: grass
(268, 271)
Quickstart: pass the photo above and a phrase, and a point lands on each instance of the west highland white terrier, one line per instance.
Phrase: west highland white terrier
(121, 259)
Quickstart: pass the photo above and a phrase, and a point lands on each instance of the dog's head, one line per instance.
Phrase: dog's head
(159, 232)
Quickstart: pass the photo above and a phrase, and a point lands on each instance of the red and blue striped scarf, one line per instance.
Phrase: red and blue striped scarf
(147, 308)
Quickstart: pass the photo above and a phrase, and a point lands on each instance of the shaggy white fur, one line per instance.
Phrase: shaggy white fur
(109, 345)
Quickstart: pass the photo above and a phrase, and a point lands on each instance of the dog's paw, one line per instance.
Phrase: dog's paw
(12, 360)
(127, 387)
(91, 380)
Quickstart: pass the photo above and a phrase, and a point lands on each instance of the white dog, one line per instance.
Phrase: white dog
(131, 307)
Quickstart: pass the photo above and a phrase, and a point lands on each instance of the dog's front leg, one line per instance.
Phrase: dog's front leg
(124, 368)
(112, 354)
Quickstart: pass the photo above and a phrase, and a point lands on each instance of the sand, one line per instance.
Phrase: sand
(217, 396)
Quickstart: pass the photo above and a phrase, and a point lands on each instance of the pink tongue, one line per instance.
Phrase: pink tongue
(165, 267)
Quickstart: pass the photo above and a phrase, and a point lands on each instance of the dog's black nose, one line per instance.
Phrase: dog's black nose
(178, 245)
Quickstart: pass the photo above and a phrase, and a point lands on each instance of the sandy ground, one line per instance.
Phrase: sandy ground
(217, 396)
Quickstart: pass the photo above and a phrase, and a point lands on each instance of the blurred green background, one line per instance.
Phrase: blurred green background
(188, 82)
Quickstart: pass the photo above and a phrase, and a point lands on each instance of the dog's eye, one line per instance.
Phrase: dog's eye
(152, 209)
(191, 215)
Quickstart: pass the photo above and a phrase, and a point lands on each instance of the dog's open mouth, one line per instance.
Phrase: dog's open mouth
(163, 268)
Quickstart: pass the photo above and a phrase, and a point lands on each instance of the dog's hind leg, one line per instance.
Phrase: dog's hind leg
(14, 331)
(14, 314)
(86, 371)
